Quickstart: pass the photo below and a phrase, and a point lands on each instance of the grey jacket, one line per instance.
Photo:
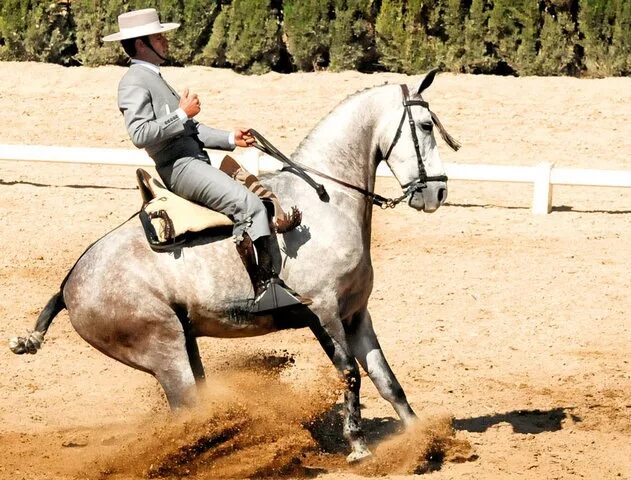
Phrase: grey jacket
(148, 104)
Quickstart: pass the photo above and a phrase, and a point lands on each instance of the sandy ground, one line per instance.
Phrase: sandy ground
(517, 326)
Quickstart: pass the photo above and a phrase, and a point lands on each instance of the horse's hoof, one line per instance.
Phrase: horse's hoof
(357, 456)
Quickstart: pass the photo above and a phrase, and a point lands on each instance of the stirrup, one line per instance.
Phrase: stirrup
(277, 295)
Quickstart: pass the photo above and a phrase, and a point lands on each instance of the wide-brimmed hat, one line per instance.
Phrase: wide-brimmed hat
(138, 24)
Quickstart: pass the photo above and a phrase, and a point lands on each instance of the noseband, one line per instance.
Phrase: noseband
(408, 189)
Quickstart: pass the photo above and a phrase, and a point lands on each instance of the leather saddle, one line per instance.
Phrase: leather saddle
(169, 220)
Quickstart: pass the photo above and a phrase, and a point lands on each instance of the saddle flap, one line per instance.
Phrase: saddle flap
(171, 215)
(185, 215)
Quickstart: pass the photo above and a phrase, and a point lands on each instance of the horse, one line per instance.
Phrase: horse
(146, 308)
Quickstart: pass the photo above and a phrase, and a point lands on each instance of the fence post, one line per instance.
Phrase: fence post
(542, 191)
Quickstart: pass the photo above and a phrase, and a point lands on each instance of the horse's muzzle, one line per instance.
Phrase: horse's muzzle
(429, 198)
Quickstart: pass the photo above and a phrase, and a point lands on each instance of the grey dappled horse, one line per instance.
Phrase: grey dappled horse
(146, 309)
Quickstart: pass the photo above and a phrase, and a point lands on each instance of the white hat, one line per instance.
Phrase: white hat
(138, 24)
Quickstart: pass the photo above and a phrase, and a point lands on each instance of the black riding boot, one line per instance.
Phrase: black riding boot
(270, 292)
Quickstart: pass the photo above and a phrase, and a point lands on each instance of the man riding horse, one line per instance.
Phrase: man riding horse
(162, 122)
(328, 258)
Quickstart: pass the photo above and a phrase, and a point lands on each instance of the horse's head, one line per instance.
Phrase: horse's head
(410, 148)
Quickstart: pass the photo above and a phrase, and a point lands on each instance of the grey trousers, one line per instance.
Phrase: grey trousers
(195, 179)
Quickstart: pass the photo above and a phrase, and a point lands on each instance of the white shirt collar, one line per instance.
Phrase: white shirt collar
(154, 68)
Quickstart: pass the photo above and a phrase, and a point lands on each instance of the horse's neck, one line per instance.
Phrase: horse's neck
(343, 145)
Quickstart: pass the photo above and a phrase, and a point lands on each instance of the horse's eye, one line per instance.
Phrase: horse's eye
(427, 126)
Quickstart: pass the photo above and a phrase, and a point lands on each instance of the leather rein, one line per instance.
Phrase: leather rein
(408, 189)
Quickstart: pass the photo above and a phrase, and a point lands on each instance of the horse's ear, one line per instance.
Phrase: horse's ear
(427, 81)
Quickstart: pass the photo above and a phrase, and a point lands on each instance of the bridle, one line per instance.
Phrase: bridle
(421, 183)
(408, 189)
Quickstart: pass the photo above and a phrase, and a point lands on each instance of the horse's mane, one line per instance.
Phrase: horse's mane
(340, 105)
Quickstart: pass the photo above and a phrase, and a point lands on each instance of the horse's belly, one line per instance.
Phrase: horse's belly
(234, 323)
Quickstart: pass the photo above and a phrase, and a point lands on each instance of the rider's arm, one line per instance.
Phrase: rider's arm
(214, 138)
(210, 137)
(144, 129)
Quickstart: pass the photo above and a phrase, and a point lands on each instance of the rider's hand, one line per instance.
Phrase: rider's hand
(189, 103)
(243, 138)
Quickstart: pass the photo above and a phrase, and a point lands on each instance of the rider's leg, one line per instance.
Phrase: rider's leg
(270, 292)
(198, 181)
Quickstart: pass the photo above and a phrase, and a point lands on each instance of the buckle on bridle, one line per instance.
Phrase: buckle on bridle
(413, 187)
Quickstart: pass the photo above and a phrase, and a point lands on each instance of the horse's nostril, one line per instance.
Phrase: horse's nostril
(442, 195)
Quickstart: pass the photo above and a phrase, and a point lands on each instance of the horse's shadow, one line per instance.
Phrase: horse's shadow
(327, 429)
(523, 421)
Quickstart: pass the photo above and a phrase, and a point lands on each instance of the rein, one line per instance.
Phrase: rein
(301, 170)
(408, 189)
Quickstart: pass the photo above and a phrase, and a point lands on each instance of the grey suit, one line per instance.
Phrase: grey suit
(149, 106)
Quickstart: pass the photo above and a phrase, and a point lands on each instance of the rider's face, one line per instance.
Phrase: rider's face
(160, 43)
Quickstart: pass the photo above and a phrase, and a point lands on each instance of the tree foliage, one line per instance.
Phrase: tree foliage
(411, 35)
(307, 32)
(519, 37)
(558, 37)
(479, 56)
(352, 35)
(254, 36)
(214, 52)
(37, 31)
(96, 19)
(605, 26)
(196, 19)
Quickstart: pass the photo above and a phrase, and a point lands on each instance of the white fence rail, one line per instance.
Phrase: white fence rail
(543, 176)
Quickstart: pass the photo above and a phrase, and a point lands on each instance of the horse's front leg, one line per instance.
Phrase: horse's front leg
(366, 349)
(338, 351)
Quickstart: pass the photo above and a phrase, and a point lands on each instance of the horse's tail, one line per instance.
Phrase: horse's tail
(33, 342)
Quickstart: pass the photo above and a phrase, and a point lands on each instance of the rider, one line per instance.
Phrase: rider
(162, 122)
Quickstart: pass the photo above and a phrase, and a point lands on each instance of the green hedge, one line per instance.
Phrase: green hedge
(253, 43)
(518, 37)
(406, 35)
(94, 20)
(308, 32)
(606, 29)
(352, 35)
(37, 31)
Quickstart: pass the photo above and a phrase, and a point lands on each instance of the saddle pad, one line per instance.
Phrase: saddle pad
(186, 216)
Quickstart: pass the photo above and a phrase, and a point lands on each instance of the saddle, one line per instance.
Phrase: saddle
(169, 220)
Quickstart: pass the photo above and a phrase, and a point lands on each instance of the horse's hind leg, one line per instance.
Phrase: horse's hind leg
(175, 363)
(154, 343)
(177, 379)
(365, 346)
